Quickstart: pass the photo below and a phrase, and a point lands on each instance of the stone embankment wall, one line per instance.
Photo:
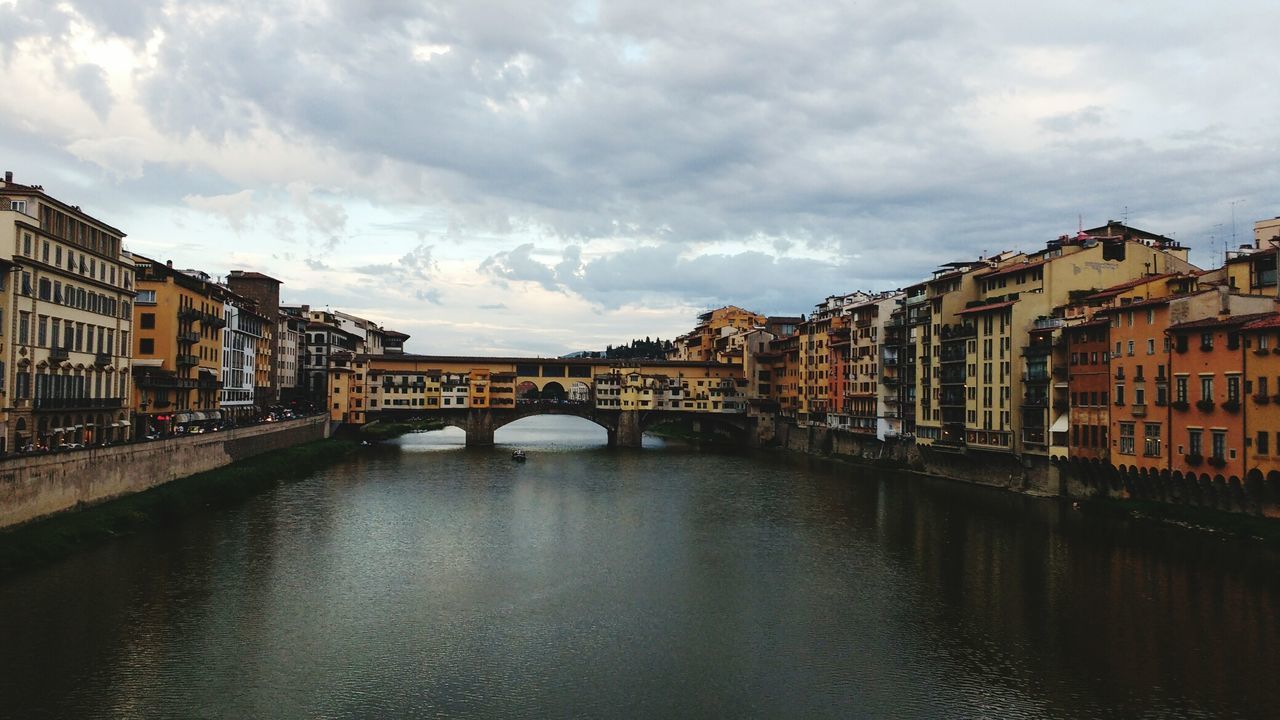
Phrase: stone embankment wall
(36, 486)
(1030, 475)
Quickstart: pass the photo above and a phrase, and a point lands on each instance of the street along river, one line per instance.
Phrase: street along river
(420, 579)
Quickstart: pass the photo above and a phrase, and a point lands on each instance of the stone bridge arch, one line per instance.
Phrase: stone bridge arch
(624, 427)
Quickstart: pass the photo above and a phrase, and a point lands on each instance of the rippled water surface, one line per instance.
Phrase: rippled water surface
(422, 580)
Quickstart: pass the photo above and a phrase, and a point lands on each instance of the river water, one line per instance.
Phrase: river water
(421, 579)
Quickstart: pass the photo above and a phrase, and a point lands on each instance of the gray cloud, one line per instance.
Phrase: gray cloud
(892, 136)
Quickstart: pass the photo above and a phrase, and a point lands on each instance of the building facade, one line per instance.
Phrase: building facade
(68, 305)
(178, 361)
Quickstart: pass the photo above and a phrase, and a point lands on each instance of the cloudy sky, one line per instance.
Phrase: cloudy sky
(540, 177)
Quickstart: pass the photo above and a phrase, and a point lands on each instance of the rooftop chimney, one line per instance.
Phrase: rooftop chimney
(168, 263)
(8, 176)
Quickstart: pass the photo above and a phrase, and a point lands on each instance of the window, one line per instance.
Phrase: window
(1261, 446)
(146, 297)
(1206, 341)
(1126, 438)
(1195, 441)
(146, 346)
(1119, 394)
(1220, 444)
(1151, 440)
(1130, 348)
(1233, 388)
(24, 327)
(1151, 316)
(1180, 389)
(1206, 388)
(1139, 394)
(18, 205)
(147, 321)
(1151, 346)
(1262, 385)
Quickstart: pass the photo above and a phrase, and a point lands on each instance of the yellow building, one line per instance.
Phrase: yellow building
(1015, 296)
(177, 347)
(715, 338)
(68, 297)
(366, 387)
(930, 308)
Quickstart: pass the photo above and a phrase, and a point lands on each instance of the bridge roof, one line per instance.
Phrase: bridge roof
(596, 362)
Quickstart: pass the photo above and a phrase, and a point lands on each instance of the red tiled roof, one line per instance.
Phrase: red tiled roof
(984, 308)
(1117, 289)
(1227, 321)
(1026, 265)
(1140, 304)
(1271, 320)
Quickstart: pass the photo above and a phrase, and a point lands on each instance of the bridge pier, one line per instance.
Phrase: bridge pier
(479, 428)
(628, 433)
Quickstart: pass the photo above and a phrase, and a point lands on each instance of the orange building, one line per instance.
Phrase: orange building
(1262, 416)
(1089, 390)
(1207, 367)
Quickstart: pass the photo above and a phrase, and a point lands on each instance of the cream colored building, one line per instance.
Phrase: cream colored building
(68, 300)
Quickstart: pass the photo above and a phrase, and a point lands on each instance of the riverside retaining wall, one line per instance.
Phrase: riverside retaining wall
(1029, 474)
(36, 486)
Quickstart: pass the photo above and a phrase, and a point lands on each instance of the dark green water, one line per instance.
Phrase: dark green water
(424, 580)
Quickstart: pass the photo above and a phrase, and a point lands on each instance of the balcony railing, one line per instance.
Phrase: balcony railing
(1046, 323)
(188, 337)
(186, 360)
(81, 403)
(102, 359)
(59, 354)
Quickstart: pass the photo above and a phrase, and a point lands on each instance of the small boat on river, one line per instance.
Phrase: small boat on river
(518, 456)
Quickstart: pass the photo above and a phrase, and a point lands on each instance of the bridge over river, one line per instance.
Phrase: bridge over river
(481, 394)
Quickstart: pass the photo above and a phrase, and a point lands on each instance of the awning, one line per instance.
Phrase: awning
(148, 362)
(197, 416)
(1062, 424)
(182, 418)
(214, 415)
(120, 423)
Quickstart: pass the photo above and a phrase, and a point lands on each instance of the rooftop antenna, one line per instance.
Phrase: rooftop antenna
(1124, 216)
(1234, 203)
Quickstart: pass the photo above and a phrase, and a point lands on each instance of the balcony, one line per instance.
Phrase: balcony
(81, 403)
(58, 353)
(1037, 349)
(102, 359)
(1138, 410)
(1035, 376)
(189, 314)
(1204, 405)
(187, 360)
(1035, 402)
(188, 337)
(1045, 323)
